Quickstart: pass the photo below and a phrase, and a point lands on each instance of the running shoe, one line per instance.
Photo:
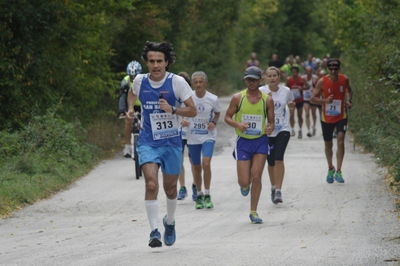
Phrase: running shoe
(272, 194)
(182, 193)
(300, 134)
(245, 191)
(127, 151)
(155, 239)
(309, 134)
(338, 177)
(207, 202)
(278, 197)
(329, 177)
(194, 192)
(169, 234)
(200, 202)
(254, 218)
(292, 133)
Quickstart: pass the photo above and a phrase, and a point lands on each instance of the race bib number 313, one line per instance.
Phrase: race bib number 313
(164, 125)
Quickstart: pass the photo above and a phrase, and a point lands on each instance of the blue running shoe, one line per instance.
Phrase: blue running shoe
(254, 218)
(155, 239)
(169, 234)
(245, 191)
(338, 177)
(329, 177)
(182, 193)
(194, 192)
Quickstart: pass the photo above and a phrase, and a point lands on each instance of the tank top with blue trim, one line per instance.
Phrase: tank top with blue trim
(159, 128)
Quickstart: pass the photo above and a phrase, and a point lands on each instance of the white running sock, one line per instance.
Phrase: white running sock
(152, 213)
(206, 192)
(278, 189)
(273, 187)
(171, 207)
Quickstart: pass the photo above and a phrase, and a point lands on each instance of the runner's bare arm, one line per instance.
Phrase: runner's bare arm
(349, 95)
(316, 93)
(270, 116)
(131, 102)
(305, 86)
(230, 112)
(189, 110)
(213, 123)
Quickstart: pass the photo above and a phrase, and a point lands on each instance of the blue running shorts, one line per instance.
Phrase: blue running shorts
(246, 148)
(196, 150)
(168, 157)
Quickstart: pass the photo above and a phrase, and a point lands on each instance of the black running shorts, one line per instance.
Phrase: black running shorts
(277, 147)
(327, 128)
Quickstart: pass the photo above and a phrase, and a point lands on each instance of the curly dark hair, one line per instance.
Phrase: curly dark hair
(166, 48)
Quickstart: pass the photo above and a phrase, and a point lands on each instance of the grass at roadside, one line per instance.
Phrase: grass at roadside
(47, 155)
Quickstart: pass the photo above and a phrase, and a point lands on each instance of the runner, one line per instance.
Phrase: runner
(336, 99)
(160, 143)
(202, 134)
(297, 84)
(311, 80)
(247, 113)
(253, 61)
(132, 70)
(279, 138)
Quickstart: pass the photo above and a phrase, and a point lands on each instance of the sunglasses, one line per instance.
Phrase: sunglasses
(333, 67)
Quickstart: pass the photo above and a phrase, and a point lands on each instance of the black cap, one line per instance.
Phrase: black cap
(252, 72)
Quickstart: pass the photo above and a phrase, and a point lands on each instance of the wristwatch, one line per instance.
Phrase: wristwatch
(173, 110)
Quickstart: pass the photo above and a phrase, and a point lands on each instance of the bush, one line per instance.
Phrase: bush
(41, 158)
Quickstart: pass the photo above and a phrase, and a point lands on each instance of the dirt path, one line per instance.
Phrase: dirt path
(101, 220)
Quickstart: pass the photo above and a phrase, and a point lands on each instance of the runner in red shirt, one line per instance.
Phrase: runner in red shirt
(335, 92)
(297, 84)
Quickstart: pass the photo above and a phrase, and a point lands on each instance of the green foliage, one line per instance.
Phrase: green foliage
(40, 159)
(367, 33)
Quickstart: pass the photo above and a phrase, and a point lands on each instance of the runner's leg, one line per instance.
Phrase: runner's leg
(257, 167)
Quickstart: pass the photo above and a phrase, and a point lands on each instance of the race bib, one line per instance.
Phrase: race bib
(278, 123)
(296, 93)
(255, 124)
(333, 108)
(307, 95)
(199, 126)
(164, 125)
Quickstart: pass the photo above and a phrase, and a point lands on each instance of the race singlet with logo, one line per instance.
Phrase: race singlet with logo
(252, 114)
(158, 127)
(334, 111)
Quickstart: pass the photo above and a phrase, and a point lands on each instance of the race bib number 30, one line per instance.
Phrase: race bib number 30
(255, 124)
(334, 108)
(164, 125)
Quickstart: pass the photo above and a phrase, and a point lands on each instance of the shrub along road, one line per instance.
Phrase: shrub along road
(101, 220)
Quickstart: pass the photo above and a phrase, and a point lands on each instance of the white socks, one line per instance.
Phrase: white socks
(206, 192)
(152, 213)
(171, 207)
